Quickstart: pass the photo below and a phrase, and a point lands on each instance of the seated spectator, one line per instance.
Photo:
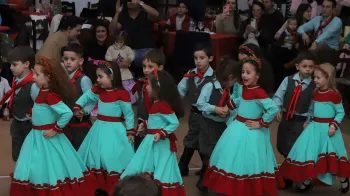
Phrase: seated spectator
(96, 46)
(180, 20)
(296, 3)
(289, 38)
(250, 29)
(55, 6)
(327, 28)
(229, 21)
(137, 185)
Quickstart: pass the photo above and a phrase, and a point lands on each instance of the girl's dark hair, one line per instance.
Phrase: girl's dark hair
(105, 66)
(167, 91)
(266, 78)
(59, 82)
(227, 68)
(137, 185)
(299, 15)
(256, 50)
(70, 22)
(203, 47)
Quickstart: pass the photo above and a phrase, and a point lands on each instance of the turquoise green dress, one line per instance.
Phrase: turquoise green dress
(243, 162)
(106, 150)
(50, 167)
(158, 160)
(316, 154)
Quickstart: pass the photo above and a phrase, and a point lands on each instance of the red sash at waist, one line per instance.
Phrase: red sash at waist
(44, 127)
(82, 124)
(323, 120)
(164, 134)
(243, 120)
(110, 118)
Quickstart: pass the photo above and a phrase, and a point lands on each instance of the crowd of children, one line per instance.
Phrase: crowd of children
(58, 151)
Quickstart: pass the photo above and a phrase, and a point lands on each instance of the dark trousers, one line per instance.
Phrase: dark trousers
(288, 133)
(19, 131)
(77, 134)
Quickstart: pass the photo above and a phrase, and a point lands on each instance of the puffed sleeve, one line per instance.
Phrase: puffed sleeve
(338, 108)
(172, 123)
(64, 112)
(91, 96)
(128, 113)
(271, 110)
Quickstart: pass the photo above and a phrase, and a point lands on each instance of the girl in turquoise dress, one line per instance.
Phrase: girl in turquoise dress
(48, 164)
(107, 149)
(156, 155)
(243, 161)
(319, 153)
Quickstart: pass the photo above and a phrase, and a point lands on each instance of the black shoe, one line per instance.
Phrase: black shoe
(199, 171)
(345, 190)
(307, 187)
(185, 160)
(288, 183)
(101, 193)
(199, 184)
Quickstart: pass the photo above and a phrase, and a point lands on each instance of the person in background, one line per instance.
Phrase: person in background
(229, 21)
(180, 20)
(4, 84)
(289, 38)
(296, 3)
(55, 6)
(327, 28)
(69, 29)
(96, 47)
(272, 20)
(138, 21)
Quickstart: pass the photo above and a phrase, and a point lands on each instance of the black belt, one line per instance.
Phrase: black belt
(76, 120)
(295, 117)
(195, 110)
(22, 121)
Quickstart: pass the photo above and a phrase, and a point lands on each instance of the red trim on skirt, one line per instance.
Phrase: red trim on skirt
(234, 185)
(69, 187)
(327, 163)
(168, 189)
(106, 181)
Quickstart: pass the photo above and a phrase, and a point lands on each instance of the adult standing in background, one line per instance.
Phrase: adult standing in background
(137, 19)
(69, 29)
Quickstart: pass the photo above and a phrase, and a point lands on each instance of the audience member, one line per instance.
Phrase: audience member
(229, 21)
(180, 20)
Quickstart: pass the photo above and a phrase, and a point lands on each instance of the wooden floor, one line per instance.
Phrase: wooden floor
(6, 164)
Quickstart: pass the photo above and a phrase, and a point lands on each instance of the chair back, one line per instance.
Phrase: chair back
(93, 6)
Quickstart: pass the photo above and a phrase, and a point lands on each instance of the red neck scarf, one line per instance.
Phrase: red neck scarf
(146, 100)
(294, 101)
(11, 93)
(320, 28)
(76, 75)
(200, 75)
(225, 96)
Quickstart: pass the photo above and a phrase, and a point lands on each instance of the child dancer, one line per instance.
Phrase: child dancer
(107, 148)
(124, 56)
(190, 86)
(319, 151)
(212, 102)
(293, 97)
(73, 59)
(156, 155)
(48, 163)
(243, 162)
(21, 96)
(154, 59)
